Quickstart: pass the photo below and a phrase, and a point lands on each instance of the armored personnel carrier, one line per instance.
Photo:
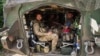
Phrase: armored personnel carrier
(18, 34)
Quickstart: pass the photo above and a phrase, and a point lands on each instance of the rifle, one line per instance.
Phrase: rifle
(64, 27)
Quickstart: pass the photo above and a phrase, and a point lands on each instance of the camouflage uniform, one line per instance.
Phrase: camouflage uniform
(42, 35)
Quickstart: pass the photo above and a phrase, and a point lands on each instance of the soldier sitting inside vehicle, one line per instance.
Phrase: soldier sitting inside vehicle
(42, 34)
(66, 32)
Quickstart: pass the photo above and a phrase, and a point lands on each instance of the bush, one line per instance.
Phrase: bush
(1, 14)
(1, 19)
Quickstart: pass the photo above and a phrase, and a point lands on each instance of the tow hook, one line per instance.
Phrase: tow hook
(89, 44)
(19, 43)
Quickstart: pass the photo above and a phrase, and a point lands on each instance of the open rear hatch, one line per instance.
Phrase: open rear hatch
(56, 14)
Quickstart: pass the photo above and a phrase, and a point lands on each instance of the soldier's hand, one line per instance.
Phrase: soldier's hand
(49, 33)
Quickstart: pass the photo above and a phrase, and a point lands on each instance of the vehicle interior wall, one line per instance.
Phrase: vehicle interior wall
(57, 13)
(33, 5)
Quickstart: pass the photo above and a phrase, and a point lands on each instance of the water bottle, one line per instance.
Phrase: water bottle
(77, 46)
(73, 53)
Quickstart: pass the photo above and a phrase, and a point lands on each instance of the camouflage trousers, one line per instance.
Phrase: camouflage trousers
(52, 37)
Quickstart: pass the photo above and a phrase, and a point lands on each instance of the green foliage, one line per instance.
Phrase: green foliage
(1, 18)
(1, 13)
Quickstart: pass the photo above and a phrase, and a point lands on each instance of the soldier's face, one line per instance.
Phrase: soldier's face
(69, 15)
(39, 17)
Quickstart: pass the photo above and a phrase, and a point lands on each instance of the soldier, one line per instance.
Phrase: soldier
(41, 33)
(67, 35)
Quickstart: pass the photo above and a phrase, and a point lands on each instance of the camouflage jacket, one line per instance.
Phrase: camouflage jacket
(38, 28)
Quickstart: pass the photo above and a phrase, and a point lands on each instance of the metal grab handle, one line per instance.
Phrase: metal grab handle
(19, 43)
(66, 44)
(87, 46)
